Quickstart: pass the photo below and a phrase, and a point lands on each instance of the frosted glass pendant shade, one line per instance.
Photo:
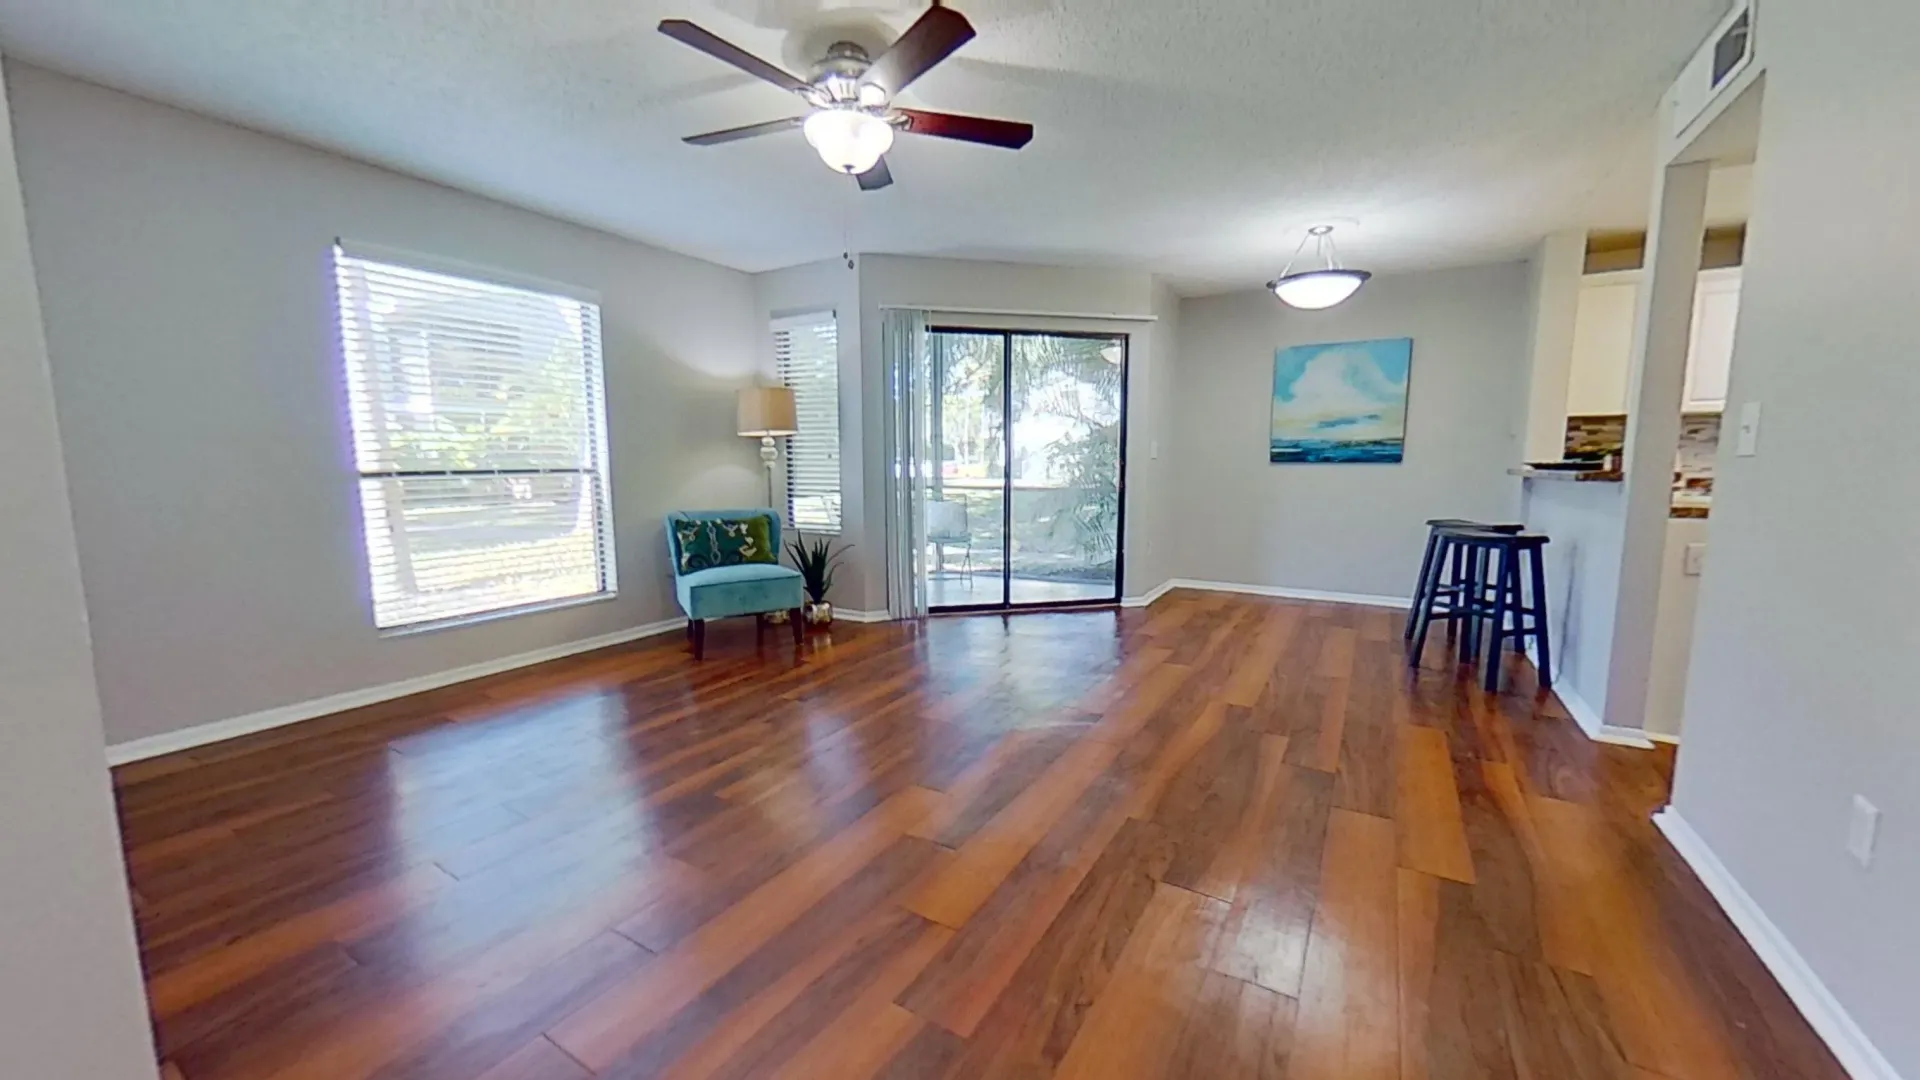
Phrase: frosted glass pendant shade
(1317, 289)
(848, 140)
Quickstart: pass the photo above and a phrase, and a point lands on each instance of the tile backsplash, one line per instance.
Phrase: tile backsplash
(1596, 434)
(1693, 465)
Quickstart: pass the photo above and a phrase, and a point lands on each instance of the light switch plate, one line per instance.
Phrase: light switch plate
(1863, 830)
(1748, 441)
(1695, 560)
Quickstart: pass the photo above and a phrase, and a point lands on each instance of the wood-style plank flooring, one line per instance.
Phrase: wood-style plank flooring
(1221, 837)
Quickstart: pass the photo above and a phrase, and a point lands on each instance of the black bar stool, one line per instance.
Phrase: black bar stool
(1424, 594)
(1506, 593)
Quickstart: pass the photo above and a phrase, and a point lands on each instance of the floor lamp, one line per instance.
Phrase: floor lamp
(766, 412)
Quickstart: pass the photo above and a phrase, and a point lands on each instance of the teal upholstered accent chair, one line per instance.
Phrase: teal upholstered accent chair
(716, 577)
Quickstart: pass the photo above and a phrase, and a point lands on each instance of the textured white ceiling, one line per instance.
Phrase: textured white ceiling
(1192, 139)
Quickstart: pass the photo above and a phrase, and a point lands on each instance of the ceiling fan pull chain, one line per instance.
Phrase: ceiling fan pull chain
(846, 236)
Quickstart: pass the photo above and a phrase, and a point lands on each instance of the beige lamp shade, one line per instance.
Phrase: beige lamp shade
(767, 410)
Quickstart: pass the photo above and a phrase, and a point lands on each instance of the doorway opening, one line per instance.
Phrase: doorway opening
(1026, 504)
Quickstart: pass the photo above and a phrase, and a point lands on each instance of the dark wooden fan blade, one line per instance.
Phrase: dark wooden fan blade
(927, 42)
(974, 129)
(727, 52)
(771, 127)
(877, 177)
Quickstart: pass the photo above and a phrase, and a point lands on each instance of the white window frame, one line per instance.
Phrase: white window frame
(815, 499)
(367, 355)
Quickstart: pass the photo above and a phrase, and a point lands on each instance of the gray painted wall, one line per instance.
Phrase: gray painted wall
(831, 286)
(186, 277)
(1151, 475)
(1798, 697)
(1346, 528)
(70, 997)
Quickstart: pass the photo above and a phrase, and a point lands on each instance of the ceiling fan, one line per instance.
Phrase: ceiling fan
(853, 119)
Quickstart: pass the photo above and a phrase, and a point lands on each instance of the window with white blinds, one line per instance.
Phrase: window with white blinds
(806, 352)
(480, 436)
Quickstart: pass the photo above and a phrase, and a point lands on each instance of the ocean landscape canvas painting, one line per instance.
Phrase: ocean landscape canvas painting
(1342, 403)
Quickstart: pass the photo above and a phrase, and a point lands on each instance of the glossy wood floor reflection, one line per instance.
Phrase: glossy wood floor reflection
(1222, 837)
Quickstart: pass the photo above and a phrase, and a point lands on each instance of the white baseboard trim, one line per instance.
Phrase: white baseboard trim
(1624, 736)
(1149, 597)
(1577, 707)
(1662, 737)
(1857, 1054)
(1281, 591)
(1598, 730)
(1588, 717)
(221, 730)
(861, 616)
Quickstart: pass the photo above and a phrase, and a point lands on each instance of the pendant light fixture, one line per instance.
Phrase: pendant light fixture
(1312, 290)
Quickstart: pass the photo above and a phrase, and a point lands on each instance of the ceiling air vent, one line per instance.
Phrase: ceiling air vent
(1728, 51)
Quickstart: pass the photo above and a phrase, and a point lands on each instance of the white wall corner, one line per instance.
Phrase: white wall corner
(1824, 1013)
(1588, 718)
(1147, 598)
(69, 962)
(1554, 290)
(1662, 334)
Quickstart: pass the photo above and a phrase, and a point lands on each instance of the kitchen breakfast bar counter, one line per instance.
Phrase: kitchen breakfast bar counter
(1584, 515)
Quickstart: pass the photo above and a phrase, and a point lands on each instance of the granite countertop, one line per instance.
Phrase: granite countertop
(1691, 507)
(1585, 476)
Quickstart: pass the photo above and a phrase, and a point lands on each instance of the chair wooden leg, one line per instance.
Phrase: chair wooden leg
(1420, 597)
(1459, 591)
(759, 630)
(1473, 596)
(1423, 609)
(699, 639)
(1507, 572)
(1539, 575)
(797, 617)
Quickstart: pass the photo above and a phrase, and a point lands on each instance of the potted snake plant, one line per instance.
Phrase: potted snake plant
(817, 560)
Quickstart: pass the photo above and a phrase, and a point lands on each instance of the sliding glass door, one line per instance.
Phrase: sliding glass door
(1025, 506)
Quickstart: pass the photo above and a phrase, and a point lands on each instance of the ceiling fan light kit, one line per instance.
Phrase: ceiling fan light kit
(849, 140)
(1316, 290)
(853, 122)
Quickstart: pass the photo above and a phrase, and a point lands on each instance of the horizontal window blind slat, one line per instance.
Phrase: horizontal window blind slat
(807, 359)
(451, 384)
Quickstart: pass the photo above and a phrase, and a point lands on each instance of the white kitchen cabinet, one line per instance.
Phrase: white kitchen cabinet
(1602, 344)
(1716, 309)
(1601, 375)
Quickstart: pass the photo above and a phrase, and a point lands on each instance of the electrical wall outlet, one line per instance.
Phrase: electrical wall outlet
(1863, 830)
(1694, 561)
(1747, 443)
